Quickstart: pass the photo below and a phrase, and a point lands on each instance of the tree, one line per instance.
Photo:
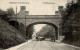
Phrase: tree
(3, 14)
(46, 31)
(10, 11)
(7, 14)
(29, 31)
(70, 18)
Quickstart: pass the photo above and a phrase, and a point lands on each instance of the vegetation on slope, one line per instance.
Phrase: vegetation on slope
(9, 35)
(71, 23)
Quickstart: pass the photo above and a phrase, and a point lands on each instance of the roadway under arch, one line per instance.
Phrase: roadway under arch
(56, 28)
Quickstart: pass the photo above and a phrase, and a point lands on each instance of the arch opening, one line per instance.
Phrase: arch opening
(14, 23)
(47, 23)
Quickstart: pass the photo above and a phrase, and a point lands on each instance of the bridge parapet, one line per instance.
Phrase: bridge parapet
(38, 17)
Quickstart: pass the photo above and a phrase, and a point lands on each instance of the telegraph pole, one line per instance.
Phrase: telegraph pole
(25, 23)
(15, 22)
(72, 5)
(16, 13)
(73, 12)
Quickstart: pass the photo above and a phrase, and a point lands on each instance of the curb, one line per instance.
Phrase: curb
(73, 46)
(17, 46)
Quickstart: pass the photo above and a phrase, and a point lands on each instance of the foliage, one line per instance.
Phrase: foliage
(6, 14)
(46, 31)
(29, 32)
(10, 11)
(71, 22)
(21, 28)
(9, 36)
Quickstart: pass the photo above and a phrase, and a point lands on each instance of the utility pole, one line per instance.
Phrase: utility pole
(73, 12)
(16, 13)
(25, 24)
(15, 22)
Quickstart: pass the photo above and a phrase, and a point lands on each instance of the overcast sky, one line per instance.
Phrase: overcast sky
(35, 7)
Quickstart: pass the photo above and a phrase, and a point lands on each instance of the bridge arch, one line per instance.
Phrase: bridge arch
(14, 23)
(51, 24)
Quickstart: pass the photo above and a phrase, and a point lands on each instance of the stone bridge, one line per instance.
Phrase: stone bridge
(29, 20)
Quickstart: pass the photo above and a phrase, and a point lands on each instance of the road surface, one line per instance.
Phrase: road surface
(46, 45)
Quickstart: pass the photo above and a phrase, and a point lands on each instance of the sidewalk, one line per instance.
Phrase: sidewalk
(61, 38)
(72, 46)
(59, 41)
(15, 47)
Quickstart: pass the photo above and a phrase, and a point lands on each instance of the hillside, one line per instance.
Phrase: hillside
(9, 36)
(75, 36)
(71, 23)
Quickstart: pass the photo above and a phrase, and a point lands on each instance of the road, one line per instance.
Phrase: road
(46, 45)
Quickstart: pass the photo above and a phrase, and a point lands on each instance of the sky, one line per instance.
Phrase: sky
(37, 28)
(35, 7)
